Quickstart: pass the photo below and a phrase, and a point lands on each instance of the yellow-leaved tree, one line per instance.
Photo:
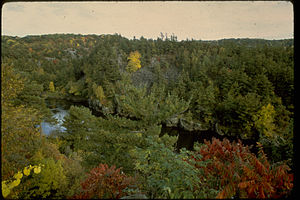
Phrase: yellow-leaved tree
(51, 86)
(134, 62)
(99, 92)
(264, 120)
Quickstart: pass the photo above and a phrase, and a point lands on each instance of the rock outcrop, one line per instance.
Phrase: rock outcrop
(98, 107)
(181, 122)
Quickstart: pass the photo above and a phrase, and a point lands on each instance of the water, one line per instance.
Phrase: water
(59, 110)
(58, 115)
(186, 139)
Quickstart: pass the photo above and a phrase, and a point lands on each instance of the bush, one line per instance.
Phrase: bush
(105, 182)
(235, 171)
(50, 183)
(165, 174)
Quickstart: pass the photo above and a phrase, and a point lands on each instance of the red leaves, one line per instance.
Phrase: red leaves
(236, 168)
(104, 182)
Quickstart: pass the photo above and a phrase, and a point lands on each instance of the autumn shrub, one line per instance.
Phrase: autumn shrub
(72, 169)
(105, 182)
(236, 172)
(50, 183)
(9, 185)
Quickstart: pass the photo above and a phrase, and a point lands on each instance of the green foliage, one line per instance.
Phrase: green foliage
(243, 88)
(11, 83)
(99, 93)
(50, 183)
(281, 146)
(111, 140)
(236, 113)
(165, 174)
(70, 162)
(19, 138)
(31, 95)
(75, 88)
(118, 140)
(149, 108)
(79, 123)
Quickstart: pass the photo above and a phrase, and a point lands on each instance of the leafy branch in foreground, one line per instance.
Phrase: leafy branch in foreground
(8, 185)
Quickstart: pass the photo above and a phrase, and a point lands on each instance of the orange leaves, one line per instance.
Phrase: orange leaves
(243, 185)
(228, 191)
(105, 182)
(233, 167)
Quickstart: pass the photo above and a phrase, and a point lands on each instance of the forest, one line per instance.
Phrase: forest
(235, 95)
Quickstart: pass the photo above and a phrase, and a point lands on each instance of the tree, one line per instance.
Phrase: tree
(19, 138)
(99, 93)
(134, 62)
(264, 120)
(51, 86)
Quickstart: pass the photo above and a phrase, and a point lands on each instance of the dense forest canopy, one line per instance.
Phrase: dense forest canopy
(242, 89)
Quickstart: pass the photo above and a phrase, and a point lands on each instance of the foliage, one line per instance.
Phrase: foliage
(235, 171)
(50, 183)
(75, 88)
(11, 82)
(264, 121)
(165, 174)
(241, 88)
(51, 86)
(134, 62)
(236, 114)
(280, 147)
(149, 108)
(70, 162)
(105, 182)
(99, 93)
(108, 140)
(7, 186)
(20, 138)
(78, 123)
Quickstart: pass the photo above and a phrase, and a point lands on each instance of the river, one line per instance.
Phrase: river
(60, 109)
(186, 139)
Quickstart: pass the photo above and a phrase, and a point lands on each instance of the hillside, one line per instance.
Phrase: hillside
(242, 89)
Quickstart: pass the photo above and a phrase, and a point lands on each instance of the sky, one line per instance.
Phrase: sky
(199, 20)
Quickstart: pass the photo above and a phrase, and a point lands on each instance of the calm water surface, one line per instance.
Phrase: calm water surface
(59, 110)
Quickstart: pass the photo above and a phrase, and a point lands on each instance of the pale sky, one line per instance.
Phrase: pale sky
(200, 20)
